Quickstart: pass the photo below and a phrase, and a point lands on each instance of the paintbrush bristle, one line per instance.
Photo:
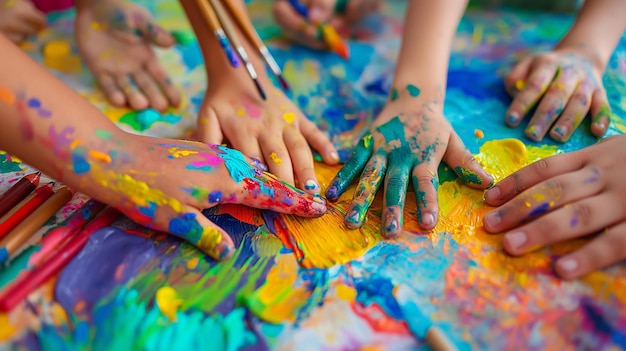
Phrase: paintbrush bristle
(260, 89)
(334, 41)
(283, 82)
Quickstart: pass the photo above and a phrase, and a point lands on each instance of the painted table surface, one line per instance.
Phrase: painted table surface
(312, 284)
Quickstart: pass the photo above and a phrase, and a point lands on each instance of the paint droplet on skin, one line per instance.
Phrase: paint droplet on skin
(241, 112)
(289, 117)
(559, 86)
(80, 164)
(520, 85)
(193, 263)
(56, 49)
(274, 157)
(413, 90)
(103, 134)
(100, 156)
(479, 133)
(311, 185)
(394, 94)
(168, 301)
(468, 176)
(7, 96)
(34, 103)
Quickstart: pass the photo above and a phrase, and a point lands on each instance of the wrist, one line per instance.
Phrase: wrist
(586, 51)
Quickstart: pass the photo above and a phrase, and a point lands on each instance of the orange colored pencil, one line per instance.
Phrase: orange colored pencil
(14, 217)
(24, 231)
(18, 192)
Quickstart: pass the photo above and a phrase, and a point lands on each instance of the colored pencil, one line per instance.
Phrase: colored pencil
(54, 237)
(438, 340)
(234, 39)
(21, 288)
(18, 192)
(14, 217)
(329, 34)
(211, 18)
(250, 32)
(25, 230)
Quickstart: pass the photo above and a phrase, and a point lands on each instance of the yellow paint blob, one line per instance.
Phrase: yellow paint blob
(274, 157)
(241, 111)
(168, 302)
(6, 327)
(520, 85)
(345, 292)
(193, 263)
(56, 49)
(289, 117)
(177, 153)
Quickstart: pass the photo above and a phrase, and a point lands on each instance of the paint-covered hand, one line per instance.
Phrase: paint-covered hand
(20, 19)
(301, 22)
(408, 140)
(115, 38)
(273, 131)
(565, 86)
(564, 197)
(171, 181)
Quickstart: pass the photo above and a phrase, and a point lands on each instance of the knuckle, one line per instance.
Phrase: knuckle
(541, 168)
(555, 188)
(583, 214)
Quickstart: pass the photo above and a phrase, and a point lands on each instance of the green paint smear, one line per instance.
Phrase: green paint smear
(394, 94)
(7, 165)
(605, 111)
(184, 38)
(467, 176)
(103, 134)
(393, 130)
(413, 90)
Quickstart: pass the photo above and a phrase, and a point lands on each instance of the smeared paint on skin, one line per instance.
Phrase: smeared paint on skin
(274, 158)
(413, 90)
(468, 176)
(289, 117)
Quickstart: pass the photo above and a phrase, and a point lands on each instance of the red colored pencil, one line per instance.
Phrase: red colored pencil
(14, 217)
(18, 192)
(21, 288)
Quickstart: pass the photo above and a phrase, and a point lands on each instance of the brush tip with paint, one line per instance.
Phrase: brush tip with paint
(283, 83)
(334, 41)
(260, 89)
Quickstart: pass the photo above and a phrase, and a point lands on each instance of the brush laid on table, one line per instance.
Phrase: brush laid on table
(231, 32)
(329, 34)
(64, 253)
(254, 37)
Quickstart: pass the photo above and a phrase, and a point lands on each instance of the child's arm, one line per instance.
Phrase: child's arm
(116, 39)
(567, 82)
(161, 183)
(577, 195)
(274, 131)
(411, 136)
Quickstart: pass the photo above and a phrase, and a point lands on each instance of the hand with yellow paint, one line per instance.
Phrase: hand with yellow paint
(300, 20)
(115, 39)
(273, 131)
(565, 84)
(580, 194)
(20, 19)
(163, 184)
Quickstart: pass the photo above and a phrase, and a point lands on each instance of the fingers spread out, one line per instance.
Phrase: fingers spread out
(396, 184)
(606, 249)
(543, 198)
(573, 114)
(319, 141)
(533, 174)
(302, 160)
(351, 169)
(600, 113)
(460, 159)
(533, 88)
(552, 104)
(366, 190)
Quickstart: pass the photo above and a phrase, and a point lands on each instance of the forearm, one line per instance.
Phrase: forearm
(429, 30)
(597, 30)
(45, 123)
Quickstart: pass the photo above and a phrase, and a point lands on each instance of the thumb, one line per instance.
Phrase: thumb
(198, 230)
(148, 29)
(465, 165)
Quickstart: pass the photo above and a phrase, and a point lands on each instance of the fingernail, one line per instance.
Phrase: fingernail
(428, 219)
(561, 133)
(492, 194)
(516, 240)
(391, 225)
(534, 132)
(512, 118)
(319, 200)
(353, 219)
(311, 185)
(569, 265)
(318, 207)
(492, 219)
(331, 193)
(315, 14)
(333, 156)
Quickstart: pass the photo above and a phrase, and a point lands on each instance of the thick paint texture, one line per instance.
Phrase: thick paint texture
(313, 282)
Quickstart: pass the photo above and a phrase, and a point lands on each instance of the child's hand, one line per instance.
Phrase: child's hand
(164, 184)
(566, 87)
(115, 40)
(562, 198)
(409, 139)
(272, 131)
(20, 19)
(338, 13)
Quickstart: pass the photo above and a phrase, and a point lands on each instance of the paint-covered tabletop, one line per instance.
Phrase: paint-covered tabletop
(312, 284)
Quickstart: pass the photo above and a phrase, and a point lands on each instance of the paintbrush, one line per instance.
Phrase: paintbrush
(329, 34)
(232, 35)
(255, 38)
(25, 230)
(21, 288)
(211, 18)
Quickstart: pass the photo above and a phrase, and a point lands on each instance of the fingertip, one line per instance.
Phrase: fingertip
(354, 218)
(492, 195)
(568, 267)
(598, 129)
(428, 220)
(332, 192)
(117, 99)
(534, 132)
(512, 118)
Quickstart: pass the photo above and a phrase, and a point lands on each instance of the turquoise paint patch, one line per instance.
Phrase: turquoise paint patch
(413, 90)
(236, 164)
(7, 165)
